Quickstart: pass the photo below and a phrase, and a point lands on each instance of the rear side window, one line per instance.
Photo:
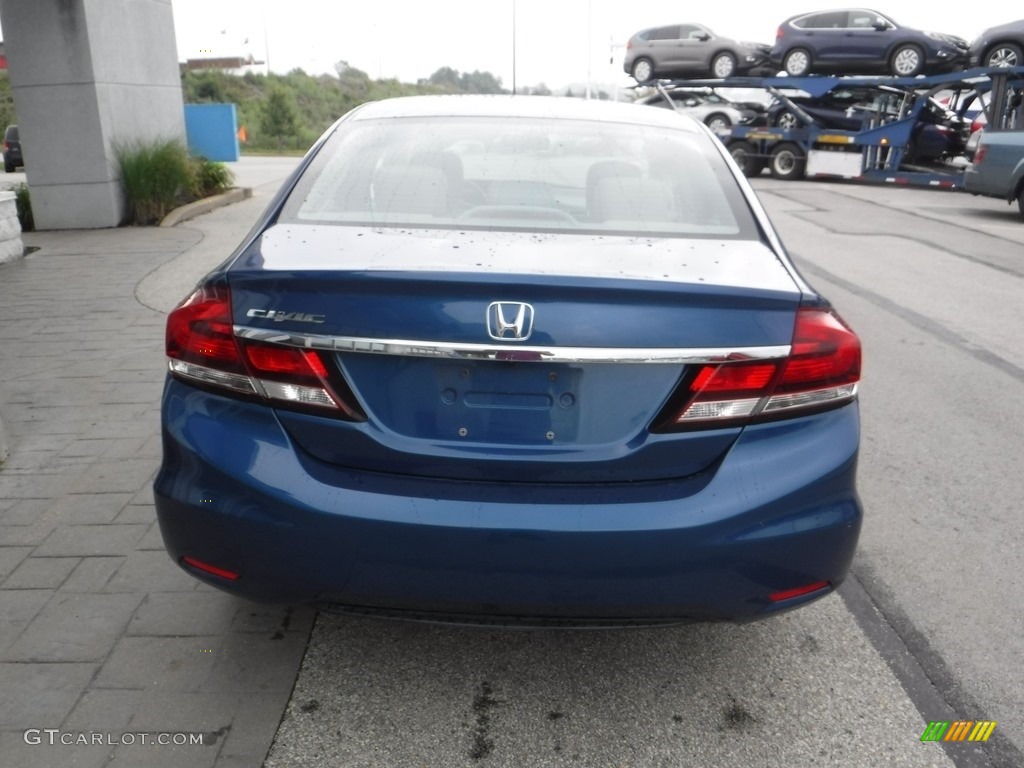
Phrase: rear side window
(522, 175)
(665, 33)
(863, 19)
(830, 20)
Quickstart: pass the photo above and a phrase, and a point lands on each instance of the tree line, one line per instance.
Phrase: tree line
(289, 112)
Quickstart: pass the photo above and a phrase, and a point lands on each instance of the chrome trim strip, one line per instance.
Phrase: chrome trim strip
(466, 351)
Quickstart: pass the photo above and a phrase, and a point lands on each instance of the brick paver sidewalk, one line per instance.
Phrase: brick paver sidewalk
(102, 637)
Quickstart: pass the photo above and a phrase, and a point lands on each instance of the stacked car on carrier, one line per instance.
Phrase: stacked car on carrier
(854, 95)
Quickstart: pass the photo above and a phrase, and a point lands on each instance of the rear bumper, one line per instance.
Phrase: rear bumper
(779, 512)
(988, 184)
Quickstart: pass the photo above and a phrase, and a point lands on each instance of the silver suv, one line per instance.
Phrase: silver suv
(680, 50)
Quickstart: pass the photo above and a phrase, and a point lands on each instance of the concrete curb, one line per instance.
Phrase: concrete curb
(11, 247)
(199, 207)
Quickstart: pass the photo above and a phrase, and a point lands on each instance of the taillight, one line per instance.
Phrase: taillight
(779, 33)
(201, 345)
(980, 153)
(203, 349)
(821, 371)
(823, 367)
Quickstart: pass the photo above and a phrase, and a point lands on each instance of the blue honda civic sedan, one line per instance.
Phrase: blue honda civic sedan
(513, 360)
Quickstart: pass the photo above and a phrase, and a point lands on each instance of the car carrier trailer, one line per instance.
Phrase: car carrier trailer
(881, 150)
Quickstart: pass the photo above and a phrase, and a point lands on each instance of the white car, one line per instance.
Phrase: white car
(717, 112)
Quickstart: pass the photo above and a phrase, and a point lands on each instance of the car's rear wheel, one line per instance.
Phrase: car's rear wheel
(786, 161)
(1004, 55)
(906, 61)
(797, 62)
(723, 65)
(787, 121)
(718, 123)
(1020, 201)
(744, 153)
(9, 165)
(643, 70)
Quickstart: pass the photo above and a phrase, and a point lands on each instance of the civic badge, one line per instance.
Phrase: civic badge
(509, 320)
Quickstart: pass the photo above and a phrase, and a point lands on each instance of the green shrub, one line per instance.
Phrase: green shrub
(156, 176)
(210, 178)
(23, 205)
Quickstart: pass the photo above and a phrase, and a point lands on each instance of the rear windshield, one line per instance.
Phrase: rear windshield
(522, 175)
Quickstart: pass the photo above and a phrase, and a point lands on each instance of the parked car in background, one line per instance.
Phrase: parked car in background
(856, 41)
(680, 50)
(717, 112)
(12, 149)
(1001, 46)
(940, 132)
(575, 381)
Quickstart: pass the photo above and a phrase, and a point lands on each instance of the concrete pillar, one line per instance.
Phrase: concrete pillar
(87, 75)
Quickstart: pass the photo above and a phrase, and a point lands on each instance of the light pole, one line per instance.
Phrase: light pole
(589, 54)
(513, 47)
(266, 39)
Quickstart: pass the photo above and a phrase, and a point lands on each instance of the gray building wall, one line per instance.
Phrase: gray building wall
(86, 76)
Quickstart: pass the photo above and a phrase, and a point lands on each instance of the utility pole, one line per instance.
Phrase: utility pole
(266, 40)
(589, 54)
(513, 47)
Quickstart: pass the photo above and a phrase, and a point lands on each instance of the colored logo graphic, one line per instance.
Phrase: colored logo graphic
(958, 730)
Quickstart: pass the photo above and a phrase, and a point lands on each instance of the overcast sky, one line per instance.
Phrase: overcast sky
(554, 39)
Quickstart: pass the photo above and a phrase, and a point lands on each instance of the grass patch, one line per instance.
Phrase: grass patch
(23, 206)
(210, 178)
(156, 176)
(273, 152)
(159, 176)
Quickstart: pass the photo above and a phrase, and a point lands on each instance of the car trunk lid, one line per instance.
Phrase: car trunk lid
(409, 317)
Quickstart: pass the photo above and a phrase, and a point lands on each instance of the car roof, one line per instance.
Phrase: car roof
(847, 9)
(556, 107)
(675, 24)
(1010, 26)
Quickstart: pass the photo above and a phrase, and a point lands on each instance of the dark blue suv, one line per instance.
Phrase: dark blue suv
(858, 41)
(12, 149)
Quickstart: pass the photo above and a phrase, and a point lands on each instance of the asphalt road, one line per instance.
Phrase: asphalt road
(933, 282)
(929, 627)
